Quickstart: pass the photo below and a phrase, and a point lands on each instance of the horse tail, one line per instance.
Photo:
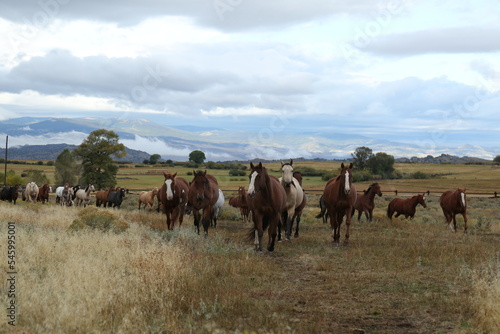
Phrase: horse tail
(322, 206)
(250, 235)
(389, 211)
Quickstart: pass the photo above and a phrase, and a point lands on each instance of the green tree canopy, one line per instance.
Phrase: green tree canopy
(154, 159)
(361, 156)
(197, 156)
(66, 169)
(95, 153)
(36, 175)
(381, 164)
(496, 160)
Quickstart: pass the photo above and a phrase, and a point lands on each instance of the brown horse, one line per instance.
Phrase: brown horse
(240, 202)
(406, 207)
(266, 201)
(454, 202)
(172, 198)
(366, 201)
(101, 197)
(339, 196)
(43, 193)
(203, 194)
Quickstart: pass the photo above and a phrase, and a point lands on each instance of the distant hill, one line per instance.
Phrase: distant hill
(51, 152)
(443, 159)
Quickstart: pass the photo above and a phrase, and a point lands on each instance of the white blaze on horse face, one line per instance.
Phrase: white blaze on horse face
(170, 193)
(347, 187)
(462, 197)
(251, 187)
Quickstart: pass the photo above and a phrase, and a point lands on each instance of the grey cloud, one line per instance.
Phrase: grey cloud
(220, 14)
(452, 40)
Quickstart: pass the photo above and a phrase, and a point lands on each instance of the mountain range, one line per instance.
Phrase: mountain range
(144, 138)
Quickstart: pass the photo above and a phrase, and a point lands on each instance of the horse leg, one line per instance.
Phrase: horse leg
(196, 216)
(296, 235)
(335, 227)
(207, 214)
(289, 224)
(464, 214)
(259, 232)
(273, 226)
(454, 222)
(347, 226)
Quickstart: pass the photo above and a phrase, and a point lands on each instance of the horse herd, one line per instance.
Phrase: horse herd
(271, 203)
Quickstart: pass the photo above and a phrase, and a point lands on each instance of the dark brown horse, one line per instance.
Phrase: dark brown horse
(406, 207)
(203, 194)
(339, 196)
(101, 197)
(267, 202)
(454, 202)
(10, 193)
(366, 201)
(43, 193)
(172, 198)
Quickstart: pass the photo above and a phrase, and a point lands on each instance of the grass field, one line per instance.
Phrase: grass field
(396, 276)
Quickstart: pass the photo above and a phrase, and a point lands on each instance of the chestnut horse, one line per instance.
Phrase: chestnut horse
(101, 197)
(203, 194)
(406, 207)
(266, 201)
(172, 199)
(43, 193)
(240, 201)
(339, 196)
(454, 202)
(294, 198)
(366, 201)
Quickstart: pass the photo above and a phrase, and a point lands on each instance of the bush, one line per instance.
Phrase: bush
(237, 172)
(93, 218)
(419, 175)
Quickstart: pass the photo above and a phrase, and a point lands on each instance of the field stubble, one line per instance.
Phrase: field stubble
(396, 276)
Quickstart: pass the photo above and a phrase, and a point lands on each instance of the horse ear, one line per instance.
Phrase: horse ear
(291, 162)
(251, 165)
(260, 164)
(351, 165)
(164, 175)
(282, 164)
(173, 176)
(194, 172)
(205, 172)
(342, 166)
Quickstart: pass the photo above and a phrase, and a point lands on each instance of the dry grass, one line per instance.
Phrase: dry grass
(395, 277)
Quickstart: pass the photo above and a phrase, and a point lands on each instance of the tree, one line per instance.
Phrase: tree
(361, 156)
(95, 152)
(497, 160)
(197, 157)
(37, 176)
(66, 169)
(154, 159)
(381, 164)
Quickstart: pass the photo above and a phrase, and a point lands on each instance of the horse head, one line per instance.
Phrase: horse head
(200, 185)
(170, 185)
(463, 200)
(258, 179)
(376, 189)
(345, 177)
(287, 173)
(421, 200)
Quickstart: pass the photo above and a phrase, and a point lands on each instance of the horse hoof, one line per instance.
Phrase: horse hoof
(296, 235)
(287, 240)
(335, 244)
(346, 243)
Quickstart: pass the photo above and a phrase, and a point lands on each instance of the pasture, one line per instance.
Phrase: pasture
(399, 276)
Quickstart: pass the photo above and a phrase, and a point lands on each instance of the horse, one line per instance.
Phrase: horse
(83, 195)
(147, 198)
(115, 198)
(267, 202)
(454, 202)
(294, 198)
(406, 207)
(10, 193)
(339, 196)
(43, 193)
(203, 194)
(240, 202)
(31, 192)
(64, 195)
(218, 205)
(101, 197)
(366, 201)
(298, 211)
(172, 198)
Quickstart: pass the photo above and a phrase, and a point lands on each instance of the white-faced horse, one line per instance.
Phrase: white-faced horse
(294, 197)
(83, 195)
(31, 192)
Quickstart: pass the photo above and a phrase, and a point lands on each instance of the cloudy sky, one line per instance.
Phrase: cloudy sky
(414, 71)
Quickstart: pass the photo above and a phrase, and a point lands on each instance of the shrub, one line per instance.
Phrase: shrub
(92, 217)
(419, 175)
